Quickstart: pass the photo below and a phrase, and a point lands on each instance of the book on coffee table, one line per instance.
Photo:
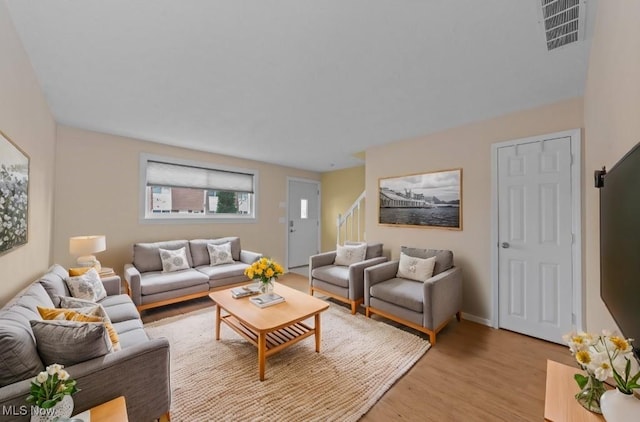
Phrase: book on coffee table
(244, 291)
(266, 299)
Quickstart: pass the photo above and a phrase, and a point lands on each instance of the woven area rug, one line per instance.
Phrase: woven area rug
(211, 380)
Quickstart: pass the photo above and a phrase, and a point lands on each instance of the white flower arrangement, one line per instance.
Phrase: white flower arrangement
(604, 356)
(50, 386)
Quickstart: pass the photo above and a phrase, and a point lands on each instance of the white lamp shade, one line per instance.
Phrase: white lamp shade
(87, 245)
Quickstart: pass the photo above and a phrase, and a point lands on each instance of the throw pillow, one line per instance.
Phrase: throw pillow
(78, 271)
(70, 342)
(88, 314)
(87, 286)
(350, 254)
(174, 260)
(418, 269)
(220, 254)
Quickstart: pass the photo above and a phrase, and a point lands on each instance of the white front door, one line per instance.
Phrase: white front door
(535, 237)
(304, 221)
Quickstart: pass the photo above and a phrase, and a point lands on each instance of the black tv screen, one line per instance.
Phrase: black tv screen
(620, 244)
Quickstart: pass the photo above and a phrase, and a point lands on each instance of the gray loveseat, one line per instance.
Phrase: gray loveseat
(139, 371)
(150, 287)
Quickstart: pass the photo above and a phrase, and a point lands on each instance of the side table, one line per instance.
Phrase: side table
(560, 405)
(112, 411)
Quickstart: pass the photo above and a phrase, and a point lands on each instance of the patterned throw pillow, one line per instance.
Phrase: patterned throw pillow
(87, 286)
(220, 254)
(350, 254)
(418, 269)
(174, 260)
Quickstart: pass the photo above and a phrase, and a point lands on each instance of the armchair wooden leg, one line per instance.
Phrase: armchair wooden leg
(354, 307)
(166, 417)
(367, 313)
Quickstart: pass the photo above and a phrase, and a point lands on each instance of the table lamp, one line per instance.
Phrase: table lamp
(84, 246)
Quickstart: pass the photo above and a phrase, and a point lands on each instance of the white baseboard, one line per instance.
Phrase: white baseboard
(477, 319)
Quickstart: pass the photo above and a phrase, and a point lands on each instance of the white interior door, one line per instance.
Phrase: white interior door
(304, 222)
(535, 238)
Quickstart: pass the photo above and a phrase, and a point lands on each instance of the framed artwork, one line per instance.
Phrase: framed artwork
(431, 200)
(14, 195)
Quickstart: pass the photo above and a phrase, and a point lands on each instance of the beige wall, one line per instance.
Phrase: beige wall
(612, 123)
(97, 191)
(340, 189)
(467, 147)
(26, 120)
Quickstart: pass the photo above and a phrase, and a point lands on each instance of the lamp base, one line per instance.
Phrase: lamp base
(89, 261)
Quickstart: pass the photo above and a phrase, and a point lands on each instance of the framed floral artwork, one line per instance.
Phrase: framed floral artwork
(14, 195)
(431, 199)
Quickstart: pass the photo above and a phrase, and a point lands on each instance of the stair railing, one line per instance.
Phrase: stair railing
(350, 225)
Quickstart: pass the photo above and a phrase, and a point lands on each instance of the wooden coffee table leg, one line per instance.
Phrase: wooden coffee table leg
(217, 322)
(262, 349)
(317, 328)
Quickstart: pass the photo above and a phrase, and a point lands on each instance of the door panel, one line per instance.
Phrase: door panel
(535, 240)
(304, 201)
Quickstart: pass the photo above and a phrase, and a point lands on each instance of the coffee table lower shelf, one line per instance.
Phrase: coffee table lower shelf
(274, 340)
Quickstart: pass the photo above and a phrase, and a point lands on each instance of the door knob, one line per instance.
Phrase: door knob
(505, 245)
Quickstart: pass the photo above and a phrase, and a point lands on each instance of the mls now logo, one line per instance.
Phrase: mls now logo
(15, 411)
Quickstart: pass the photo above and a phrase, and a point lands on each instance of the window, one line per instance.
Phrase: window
(181, 189)
(304, 209)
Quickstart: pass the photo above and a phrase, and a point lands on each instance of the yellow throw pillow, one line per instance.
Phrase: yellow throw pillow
(74, 315)
(74, 272)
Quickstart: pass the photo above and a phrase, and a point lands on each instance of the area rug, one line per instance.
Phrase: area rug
(211, 380)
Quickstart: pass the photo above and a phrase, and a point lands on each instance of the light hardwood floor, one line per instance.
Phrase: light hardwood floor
(474, 373)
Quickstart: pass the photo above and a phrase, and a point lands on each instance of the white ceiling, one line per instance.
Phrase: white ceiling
(301, 83)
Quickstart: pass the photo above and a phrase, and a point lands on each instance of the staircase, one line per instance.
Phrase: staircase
(350, 225)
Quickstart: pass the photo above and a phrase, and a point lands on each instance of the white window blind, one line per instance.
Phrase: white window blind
(174, 175)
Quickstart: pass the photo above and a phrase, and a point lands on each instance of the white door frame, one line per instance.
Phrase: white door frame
(286, 225)
(576, 212)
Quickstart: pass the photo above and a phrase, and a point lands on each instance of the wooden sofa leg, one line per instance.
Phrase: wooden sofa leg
(166, 417)
(432, 337)
(367, 313)
(354, 307)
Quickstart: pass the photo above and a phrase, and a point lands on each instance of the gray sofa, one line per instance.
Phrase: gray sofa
(150, 287)
(426, 306)
(139, 371)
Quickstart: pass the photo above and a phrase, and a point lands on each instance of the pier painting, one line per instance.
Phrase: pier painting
(426, 200)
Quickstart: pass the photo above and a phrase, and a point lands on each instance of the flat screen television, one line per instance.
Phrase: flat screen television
(620, 244)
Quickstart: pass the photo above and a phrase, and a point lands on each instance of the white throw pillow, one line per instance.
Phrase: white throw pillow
(174, 260)
(419, 269)
(350, 254)
(87, 286)
(220, 254)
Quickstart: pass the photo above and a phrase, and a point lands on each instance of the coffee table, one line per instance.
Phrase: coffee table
(273, 328)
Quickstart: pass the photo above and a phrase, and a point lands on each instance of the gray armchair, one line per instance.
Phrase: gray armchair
(426, 306)
(343, 283)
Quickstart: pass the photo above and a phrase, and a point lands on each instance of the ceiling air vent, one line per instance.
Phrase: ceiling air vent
(563, 21)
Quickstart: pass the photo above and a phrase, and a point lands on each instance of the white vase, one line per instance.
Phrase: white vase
(619, 407)
(63, 408)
